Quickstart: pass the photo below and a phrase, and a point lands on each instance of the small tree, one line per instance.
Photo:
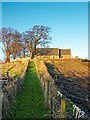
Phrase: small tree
(24, 44)
(16, 44)
(38, 35)
(9, 38)
(6, 39)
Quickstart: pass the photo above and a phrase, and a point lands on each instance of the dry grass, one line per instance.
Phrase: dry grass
(72, 68)
(15, 68)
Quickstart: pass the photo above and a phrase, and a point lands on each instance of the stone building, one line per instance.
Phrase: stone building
(65, 53)
(47, 52)
(53, 53)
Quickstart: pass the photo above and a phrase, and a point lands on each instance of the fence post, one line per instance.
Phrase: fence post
(51, 106)
(8, 75)
(63, 107)
(52, 90)
(48, 95)
(46, 91)
(1, 96)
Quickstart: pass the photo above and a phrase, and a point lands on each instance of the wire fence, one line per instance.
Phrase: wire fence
(60, 106)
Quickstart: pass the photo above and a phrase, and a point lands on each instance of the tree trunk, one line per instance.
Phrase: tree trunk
(35, 48)
(31, 55)
(7, 56)
(14, 56)
(24, 55)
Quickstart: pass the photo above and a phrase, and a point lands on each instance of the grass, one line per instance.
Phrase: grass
(30, 102)
(15, 69)
(69, 108)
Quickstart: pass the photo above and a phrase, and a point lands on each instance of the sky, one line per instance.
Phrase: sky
(68, 22)
(45, 0)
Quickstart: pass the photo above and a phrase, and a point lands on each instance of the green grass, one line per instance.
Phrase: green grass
(30, 102)
(69, 108)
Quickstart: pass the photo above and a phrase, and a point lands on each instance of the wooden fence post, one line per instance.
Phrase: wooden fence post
(8, 76)
(1, 97)
(46, 91)
(52, 90)
(63, 107)
(51, 106)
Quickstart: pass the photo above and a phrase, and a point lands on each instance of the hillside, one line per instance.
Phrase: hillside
(71, 77)
(15, 68)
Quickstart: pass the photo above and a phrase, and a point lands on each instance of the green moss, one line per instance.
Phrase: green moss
(30, 102)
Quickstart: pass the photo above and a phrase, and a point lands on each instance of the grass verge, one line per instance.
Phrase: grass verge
(30, 102)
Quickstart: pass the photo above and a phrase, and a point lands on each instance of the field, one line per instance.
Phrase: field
(14, 68)
(72, 78)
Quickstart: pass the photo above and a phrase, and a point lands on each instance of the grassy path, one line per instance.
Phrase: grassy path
(30, 103)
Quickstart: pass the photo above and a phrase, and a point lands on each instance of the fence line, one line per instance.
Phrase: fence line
(49, 90)
(9, 91)
(53, 97)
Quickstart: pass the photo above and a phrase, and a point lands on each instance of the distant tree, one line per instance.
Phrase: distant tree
(8, 37)
(16, 44)
(24, 45)
(38, 35)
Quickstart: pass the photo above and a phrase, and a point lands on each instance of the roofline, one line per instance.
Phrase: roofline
(48, 48)
(65, 48)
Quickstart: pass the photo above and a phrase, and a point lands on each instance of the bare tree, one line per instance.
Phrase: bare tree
(8, 37)
(38, 35)
(24, 44)
(16, 44)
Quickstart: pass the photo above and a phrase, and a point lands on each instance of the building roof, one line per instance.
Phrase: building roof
(47, 51)
(65, 51)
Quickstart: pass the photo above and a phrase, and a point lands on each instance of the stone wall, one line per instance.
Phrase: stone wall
(65, 56)
(9, 91)
(50, 57)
